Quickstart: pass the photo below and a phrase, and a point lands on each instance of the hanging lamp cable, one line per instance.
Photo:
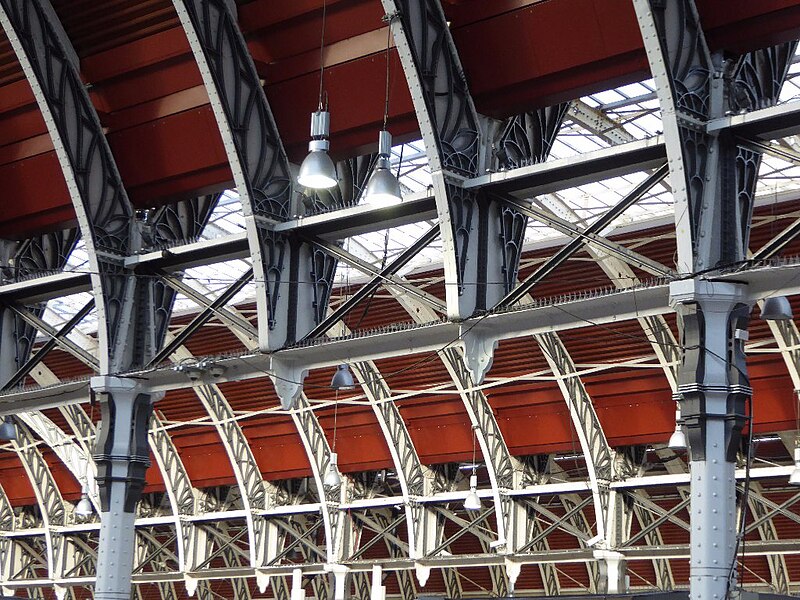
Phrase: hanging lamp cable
(335, 418)
(388, 72)
(322, 54)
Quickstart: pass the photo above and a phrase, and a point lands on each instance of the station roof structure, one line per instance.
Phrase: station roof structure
(227, 455)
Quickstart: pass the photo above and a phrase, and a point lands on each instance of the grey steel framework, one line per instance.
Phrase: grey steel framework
(489, 180)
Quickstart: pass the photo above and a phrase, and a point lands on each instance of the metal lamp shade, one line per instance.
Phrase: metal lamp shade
(473, 501)
(8, 431)
(317, 171)
(332, 478)
(343, 378)
(84, 507)
(776, 308)
(677, 441)
(383, 188)
(794, 478)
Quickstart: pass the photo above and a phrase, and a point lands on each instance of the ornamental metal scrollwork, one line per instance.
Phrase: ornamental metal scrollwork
(37, 255)
(695, 145)
(274, 247)
(527, 139)
(256, 139)
(682, 41)
(323, 270)
(512, 236)
(33, 257)
(178, 222)
(164, 227)
(758, 77)
(463, 207)
(444, 85)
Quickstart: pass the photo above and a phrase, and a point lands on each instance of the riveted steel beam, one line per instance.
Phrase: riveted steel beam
(714, 180)
(292, 280)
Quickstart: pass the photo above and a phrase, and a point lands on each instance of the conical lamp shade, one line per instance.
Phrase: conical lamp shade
(677, 441)
(332, 477)
(8, 431)
(317, 171)
(342, 379)
(473, 501)
(383, 189)
(776, 308)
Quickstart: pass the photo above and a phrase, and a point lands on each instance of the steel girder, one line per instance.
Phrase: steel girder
(767, 531)
(48, 496)
(535, 557)
(480, 238)
(598, 122)
(293, 280)
(505, 472)
(666, 348)
(179, 490)
(262, 176)
(693, 88)
(132, 313)
(416, 480)
(714, 180)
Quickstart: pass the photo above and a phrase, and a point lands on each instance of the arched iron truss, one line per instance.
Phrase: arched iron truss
(257, 533)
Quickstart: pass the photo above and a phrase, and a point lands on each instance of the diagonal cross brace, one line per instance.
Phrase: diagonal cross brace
(572, 230)
(38, 357)
(56, 336)
(365, 290)
(223, 314)
(390, 280)
(203, 318)
(577, 243)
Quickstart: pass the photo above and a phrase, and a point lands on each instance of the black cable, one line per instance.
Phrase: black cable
(321, 54)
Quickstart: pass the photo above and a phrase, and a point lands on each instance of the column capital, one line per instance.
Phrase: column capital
(703, 291)
(110, 384)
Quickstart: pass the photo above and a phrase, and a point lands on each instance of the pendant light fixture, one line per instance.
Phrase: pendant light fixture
(776, 308)
(84, 507)
(473, 501)
(383, 189)
(677, 441)
(8, 432)
(318, 171)
(332, 477)
(342, 378)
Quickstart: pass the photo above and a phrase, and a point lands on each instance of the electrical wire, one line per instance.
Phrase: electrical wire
(322, 54)
(386, 102)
